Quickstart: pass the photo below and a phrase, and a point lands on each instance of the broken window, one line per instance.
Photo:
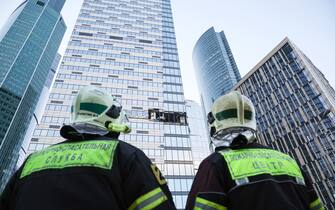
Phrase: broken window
(167, 116)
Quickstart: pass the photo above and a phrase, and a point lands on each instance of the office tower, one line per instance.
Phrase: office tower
(28, 44)
(38, 111)
(295, 112)
(216, 70)
(198, 133)
(128, 48)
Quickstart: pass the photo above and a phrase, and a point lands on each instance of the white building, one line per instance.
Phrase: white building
(129, 49)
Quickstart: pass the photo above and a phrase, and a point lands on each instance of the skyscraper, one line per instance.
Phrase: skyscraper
(28, 44)
(128, 48)
(295, 112)
(198, 133)
(38, 111)
(216, 70)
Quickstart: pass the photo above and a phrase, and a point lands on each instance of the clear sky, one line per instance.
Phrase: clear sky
(253, 28)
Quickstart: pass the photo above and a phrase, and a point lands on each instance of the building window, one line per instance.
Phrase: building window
(116, 37)
(145, 41)
(85, 34)
(40, 3)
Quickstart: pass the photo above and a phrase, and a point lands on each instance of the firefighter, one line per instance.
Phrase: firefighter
(242, 174)
(91, 169)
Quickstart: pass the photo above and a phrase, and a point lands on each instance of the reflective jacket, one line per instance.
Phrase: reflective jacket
(102, 174)
(251, 177)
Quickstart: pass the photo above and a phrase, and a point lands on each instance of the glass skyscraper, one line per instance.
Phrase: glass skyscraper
(295, 113)
(28, 44)
(216, 70)
(198, 133)
(128, 48)
(38, 110)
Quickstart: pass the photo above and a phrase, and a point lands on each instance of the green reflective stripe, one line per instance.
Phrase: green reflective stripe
(92, 107)
(232, 113)
(149, 200)
(87, 153)
(250, 162)
(153, 202)
(204, 204)
(200, 206)
(316, 205)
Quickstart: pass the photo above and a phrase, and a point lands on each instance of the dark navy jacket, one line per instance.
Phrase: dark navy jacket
(214, 187)
(125, 180)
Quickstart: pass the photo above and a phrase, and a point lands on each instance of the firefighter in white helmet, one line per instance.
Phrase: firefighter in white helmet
(242, 174)
(232, 115)
(92, 169)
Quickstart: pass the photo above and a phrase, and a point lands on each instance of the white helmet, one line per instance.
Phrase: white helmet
(95, 112)
(231, 115)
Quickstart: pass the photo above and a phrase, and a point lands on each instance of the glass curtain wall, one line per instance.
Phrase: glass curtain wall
(28, 45)
(129, 49)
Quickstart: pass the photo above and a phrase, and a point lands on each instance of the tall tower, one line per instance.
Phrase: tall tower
(129, 49)
(216, 70)
(38, 110)
(295, 112)
(28, 44)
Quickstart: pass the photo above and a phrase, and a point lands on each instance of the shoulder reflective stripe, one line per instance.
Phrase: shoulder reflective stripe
(149, 200)
(316, 205)
(242, 181)
(200, 206)
(204, 204)
(88, 153)
(250, 162)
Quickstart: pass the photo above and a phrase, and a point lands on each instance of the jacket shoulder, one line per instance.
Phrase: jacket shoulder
(128, 148)
(130, 152)
(211, 160)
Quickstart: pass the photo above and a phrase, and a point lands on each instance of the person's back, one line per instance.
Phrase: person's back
(89, 174)
(92, 169)
(242, 181)
(244, 175)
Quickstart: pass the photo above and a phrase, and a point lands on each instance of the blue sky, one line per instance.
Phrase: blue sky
(253, 28)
